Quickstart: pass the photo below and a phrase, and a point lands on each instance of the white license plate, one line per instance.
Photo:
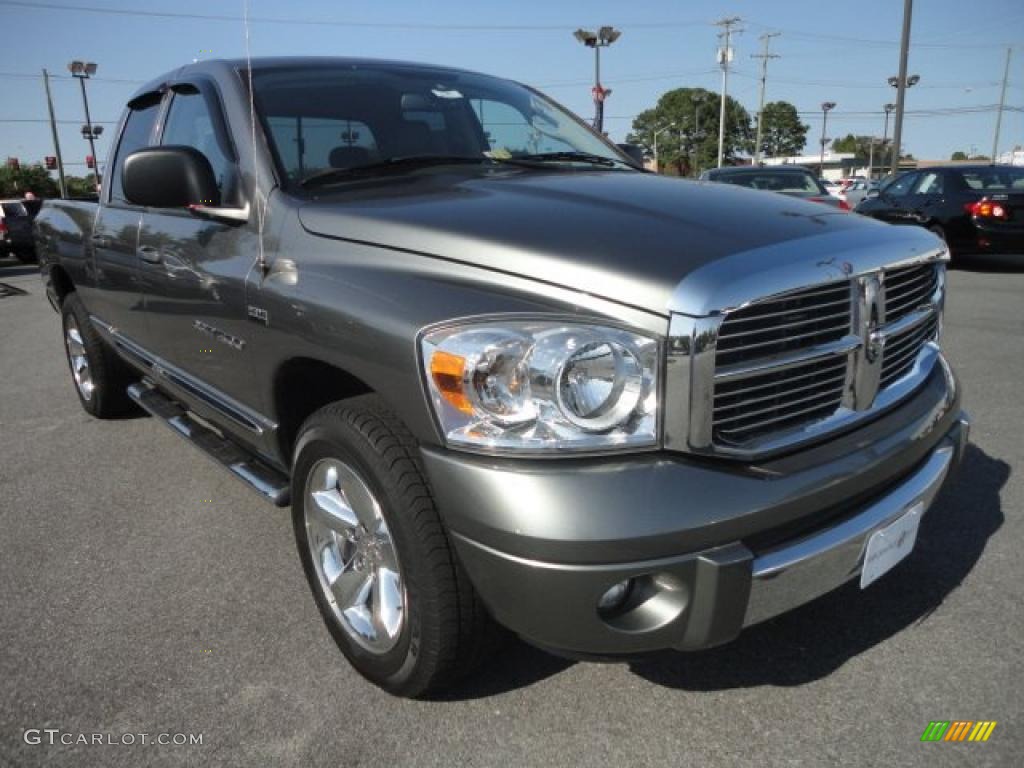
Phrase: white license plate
(887, 546)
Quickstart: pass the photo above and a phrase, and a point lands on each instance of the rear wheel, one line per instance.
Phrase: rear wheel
(100, 376)
(376, 555)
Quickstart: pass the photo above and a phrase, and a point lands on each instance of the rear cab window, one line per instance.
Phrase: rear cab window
(136, 135)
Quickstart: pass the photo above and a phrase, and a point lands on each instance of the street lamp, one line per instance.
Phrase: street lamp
(885, 131)
(826, 107)
(901, 82)
(657, 163)
(83, 70)
(604, 37)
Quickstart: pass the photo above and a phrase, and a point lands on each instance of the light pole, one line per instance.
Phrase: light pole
(826, 107)
(83, 70)
(657, 162)
(604, 37)
(885, 131)
(901, 82)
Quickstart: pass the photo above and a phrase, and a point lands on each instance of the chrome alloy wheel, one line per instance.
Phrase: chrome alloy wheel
(354, 556)
(78, 359)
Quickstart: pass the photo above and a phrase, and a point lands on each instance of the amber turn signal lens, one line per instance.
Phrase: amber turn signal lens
(446, 371)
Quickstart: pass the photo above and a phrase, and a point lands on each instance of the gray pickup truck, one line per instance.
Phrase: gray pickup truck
(502, 375)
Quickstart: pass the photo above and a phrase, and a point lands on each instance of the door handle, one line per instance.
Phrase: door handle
(100, 241)
(149, 254)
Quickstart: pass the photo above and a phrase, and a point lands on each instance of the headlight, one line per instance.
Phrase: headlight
(539, 387)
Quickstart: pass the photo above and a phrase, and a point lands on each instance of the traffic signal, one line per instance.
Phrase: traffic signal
(90, 161)
(12, 162)
(51, 162)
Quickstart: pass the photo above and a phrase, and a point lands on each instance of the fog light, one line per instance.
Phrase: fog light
(615, 596)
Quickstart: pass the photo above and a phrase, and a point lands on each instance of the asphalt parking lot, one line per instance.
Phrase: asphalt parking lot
(144, 591)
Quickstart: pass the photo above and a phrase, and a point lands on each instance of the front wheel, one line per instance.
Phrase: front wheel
(376, 555)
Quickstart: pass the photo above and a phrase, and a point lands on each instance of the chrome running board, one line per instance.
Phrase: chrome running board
(253, 471)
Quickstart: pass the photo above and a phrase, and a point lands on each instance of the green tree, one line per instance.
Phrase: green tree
(28, 178)
(79, 186)
(958, 155)
(860, 146)
(691, 143)
(782, 133)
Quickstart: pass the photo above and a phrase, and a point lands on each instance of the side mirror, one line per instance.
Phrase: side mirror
(176, 177)
(169, 177)
(871, 193)
(634, 152)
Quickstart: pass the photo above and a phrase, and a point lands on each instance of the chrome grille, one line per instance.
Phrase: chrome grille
(902, 350)
(783, 370)
(749, 407)
(781, 325)
(908, 289)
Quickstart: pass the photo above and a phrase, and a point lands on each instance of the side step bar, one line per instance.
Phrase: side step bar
(254, 472)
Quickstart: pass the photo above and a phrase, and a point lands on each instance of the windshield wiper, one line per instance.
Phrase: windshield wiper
(404, 163)
(566, 157)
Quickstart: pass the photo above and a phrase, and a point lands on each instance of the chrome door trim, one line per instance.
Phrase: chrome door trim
(170, 375)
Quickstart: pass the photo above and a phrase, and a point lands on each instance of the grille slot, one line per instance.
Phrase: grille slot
(901, 351)
(785, 324)
(907, 289)
(748, 408)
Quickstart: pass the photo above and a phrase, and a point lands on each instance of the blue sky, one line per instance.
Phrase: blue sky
(841, 52)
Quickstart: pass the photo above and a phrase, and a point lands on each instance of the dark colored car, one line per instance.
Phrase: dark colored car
(16, 231)
(794, 181)
(498, 372)
(976, 209)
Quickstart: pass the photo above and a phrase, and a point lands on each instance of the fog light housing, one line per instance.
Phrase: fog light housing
(614, 596)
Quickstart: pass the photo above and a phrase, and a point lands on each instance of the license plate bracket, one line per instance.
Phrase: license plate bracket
(889, 545)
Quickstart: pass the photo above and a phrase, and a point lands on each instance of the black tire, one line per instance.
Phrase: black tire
(445, 630)
(109, 375)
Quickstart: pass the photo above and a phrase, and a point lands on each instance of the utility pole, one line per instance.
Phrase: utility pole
(1002, 103)
(724, 60)
(901, 86)
(764, 56)
(56, 141)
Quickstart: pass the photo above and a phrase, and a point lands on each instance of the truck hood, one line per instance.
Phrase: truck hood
(638, 239)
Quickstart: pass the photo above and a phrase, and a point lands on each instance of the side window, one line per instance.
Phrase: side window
(930, 184)
(191, 124)
(137, 130)
(901, 187)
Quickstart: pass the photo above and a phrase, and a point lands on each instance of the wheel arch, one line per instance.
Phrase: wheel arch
(304, 385)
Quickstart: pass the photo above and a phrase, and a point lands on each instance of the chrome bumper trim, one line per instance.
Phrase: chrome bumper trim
(796, 573)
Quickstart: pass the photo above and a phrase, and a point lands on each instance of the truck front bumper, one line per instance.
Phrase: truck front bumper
(706, 548)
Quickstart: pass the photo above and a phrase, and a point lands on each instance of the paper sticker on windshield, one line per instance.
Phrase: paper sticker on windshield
(446, 93)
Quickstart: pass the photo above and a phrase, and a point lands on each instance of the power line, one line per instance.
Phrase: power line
(68, 78)
(330, 22)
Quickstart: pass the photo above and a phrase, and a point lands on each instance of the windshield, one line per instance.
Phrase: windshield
(791, 183)
(1000, 178)
(338, 117)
